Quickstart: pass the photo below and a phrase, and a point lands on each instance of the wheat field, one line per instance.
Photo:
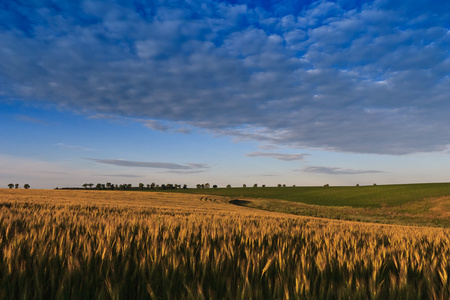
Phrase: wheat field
(137, 245)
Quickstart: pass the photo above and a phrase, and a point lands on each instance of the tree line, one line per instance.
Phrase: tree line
(128, 186)
(16, 185)
(152, 186)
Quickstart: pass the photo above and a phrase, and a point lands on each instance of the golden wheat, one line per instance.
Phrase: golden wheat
(125, 245)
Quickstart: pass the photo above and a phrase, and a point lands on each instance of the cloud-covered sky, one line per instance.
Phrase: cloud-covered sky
(294, 82)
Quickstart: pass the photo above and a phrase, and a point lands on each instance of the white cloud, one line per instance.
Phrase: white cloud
(337, 171)
(156, 165)
(31, 120)
(279, 156)
(156, 125)
(310, 74)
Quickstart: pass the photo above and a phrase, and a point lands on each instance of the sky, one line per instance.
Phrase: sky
(301, 93)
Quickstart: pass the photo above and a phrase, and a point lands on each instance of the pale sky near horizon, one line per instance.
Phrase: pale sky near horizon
(225, 92)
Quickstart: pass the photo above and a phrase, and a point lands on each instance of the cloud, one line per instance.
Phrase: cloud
(337, 171)
(156, 125)
(72, 147)
(184, 130)
(280, 156)
(100, 116)
(365, 77)
(31, 120)
(122, 175)
(56, 172)
(156, 165)
(186, 172)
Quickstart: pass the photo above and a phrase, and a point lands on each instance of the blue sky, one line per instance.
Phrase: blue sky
(225, 92)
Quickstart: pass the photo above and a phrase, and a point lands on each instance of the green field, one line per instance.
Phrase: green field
(407, 204)
(355, 196)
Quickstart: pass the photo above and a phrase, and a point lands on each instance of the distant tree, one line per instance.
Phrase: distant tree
(152, 186)
(284, 185)
(229, 186)
(125, 186)
(263, 185)
(91, 185)
(141, 186)
(129, 186)
(326, 185)
(199, 186)
(26, 186)
(357, 184)
(85, 185)
(255, 185)
(98, 186)
(215, 186)
(374, 184)
(244, 185)
(11, 185)
(279, 185)
(207, 185)
(184, 186)
(16, 185)
(108, 185)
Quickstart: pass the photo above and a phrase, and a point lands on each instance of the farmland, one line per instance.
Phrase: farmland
(406, 204)
(139, 245)
(355, 196)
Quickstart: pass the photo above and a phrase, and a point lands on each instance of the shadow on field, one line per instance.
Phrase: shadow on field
(239, 202)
